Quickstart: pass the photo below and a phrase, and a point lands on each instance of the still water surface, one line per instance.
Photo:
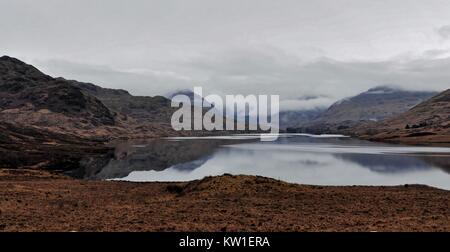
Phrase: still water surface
(298, 158)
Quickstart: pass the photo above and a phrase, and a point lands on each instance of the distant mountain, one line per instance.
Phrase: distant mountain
(428, 122)
(294, 119)
(376, 104)
(192, 96)
(199, 101)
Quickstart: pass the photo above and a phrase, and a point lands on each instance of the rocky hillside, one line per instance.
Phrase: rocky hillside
(428, 122)
(52, 123)
(140, 108)
(30, 98)
(25, 89)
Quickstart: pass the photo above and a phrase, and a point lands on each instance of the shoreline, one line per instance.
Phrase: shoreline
(33, 200)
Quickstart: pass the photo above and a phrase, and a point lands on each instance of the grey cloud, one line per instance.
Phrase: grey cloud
(137, 81)
(310, 104)
(251, 71)
(436, 53)
(294, 48)
(444, 31)
(286, 75)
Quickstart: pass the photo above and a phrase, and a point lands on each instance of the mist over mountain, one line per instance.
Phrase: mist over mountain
(29, 97)
(293, 119)
(374, 105)
(195, 99)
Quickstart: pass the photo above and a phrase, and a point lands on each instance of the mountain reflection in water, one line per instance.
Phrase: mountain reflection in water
(294, 158)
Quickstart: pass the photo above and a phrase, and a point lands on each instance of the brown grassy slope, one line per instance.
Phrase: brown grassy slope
(426, 123)
(37, 201)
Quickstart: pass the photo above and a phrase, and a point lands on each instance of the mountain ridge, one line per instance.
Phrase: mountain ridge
(29, 97)
(375, 104)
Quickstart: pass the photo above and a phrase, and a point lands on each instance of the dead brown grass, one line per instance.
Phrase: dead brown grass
(40, 201)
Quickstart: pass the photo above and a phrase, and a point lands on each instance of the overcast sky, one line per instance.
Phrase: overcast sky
(331, 49)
